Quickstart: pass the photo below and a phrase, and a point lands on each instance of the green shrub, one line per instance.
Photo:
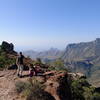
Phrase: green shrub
(39, 94)
(37, 91)
(5, 60)
(82, 90)
(96, 96)
(77, 90)
(88, 92)
(33, 90)
(21, 86)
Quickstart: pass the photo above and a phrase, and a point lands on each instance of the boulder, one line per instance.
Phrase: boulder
(7, 47)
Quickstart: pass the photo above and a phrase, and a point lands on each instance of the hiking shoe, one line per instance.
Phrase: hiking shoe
(18, 75)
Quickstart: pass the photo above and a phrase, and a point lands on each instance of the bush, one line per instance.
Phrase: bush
(5, 60)
(21, 86)
(39, 94)
(82, 90)
(77, 91)
(88, 92)
(96, 96)
(33, 90)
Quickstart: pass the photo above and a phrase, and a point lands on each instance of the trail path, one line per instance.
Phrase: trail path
(7, 84)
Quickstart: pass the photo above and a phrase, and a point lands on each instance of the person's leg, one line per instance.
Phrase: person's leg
(21, 70)
(18, 70)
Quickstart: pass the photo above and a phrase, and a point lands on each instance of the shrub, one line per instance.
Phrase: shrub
(96, 96)
(5, 60)
(33, 90)
(39, 94)
(37, 91)
(82, 90)
(22, 86)
(88, 92)
(77, 91)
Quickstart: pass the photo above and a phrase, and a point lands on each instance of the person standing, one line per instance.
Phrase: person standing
(20, 64)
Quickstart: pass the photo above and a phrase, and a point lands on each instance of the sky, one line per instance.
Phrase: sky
(42, 24)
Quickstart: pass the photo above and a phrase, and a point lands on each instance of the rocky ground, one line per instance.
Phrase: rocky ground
(57, 84)
(7, 84)
(8, 79)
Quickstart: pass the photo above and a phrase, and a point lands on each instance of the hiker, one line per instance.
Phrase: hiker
(20, 64)
(32, 70)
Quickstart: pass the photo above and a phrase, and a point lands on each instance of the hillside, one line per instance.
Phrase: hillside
(78, 57)
(82, 51)
(84, 57)
(50, 54)
(54, 82)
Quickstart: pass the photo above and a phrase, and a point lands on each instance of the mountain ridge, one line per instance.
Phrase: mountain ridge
(52, 53)
(82, 50)
(80, 57)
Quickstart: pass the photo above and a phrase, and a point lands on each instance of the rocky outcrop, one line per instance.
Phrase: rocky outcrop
(8, 47)
(58, 85)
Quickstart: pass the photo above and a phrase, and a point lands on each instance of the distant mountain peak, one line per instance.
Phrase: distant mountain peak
(52, 53)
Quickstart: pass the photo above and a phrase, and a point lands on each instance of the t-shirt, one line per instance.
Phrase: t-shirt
(20, 59)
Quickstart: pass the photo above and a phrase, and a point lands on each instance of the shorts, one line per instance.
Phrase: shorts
(20, 67)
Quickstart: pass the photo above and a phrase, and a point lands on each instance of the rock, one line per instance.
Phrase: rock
(80, 75)
(75, 76)
(57, 85)
(8, 47)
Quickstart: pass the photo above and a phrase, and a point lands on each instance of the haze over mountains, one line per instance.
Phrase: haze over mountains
(75, 51)
(52, 53)
(79, 57)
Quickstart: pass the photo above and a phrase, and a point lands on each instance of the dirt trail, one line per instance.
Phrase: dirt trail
(7, 85)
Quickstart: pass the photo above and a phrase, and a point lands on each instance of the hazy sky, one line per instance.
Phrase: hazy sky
(41, 24)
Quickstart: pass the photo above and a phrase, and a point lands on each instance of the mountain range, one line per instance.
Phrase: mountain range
(60, 84)
(79, 57)
(84, 51)
(51, 54)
